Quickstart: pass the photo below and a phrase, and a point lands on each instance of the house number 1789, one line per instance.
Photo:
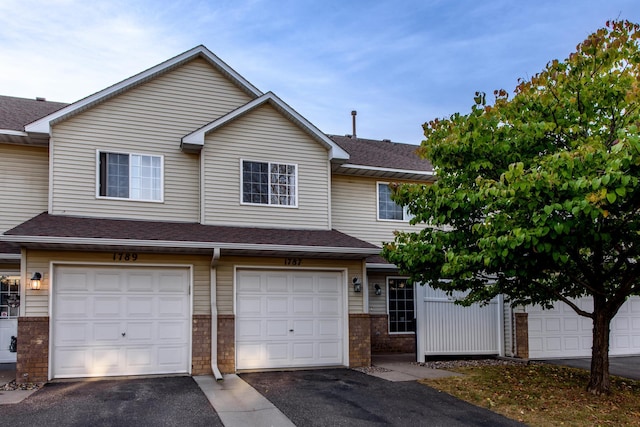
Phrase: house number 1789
(125, 256)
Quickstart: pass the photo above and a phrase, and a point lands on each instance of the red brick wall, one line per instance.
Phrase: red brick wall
(522, 335)
(201, 345)
(383, 342)
(359, 340)
(32, 363)
(226, 343)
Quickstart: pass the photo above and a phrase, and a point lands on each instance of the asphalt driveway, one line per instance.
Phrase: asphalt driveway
(170, 401)
(343, 397)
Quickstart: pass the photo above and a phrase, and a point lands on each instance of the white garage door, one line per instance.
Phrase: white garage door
(560, 332)
(289, 319)
(111, 321)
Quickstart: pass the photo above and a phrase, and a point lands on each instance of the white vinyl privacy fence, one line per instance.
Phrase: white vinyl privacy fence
(445, 328)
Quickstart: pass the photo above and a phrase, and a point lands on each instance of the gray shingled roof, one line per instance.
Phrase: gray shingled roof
(45, 225)
(382, 154)
(17, 112)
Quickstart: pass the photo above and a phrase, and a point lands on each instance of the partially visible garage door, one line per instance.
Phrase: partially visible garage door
(561, 332)
(289, 319)
(111, 321)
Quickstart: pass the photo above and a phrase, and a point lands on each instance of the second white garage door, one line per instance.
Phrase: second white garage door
(288, 319)
(120, 321)
(560, 332)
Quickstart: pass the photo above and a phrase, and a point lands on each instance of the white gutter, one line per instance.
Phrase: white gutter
(382, 266)
(214, 317)
(186, 244)
(13, 132)
(379, 169)
(10, 256)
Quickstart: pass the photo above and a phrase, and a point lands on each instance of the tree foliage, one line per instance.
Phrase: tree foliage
(537, 195)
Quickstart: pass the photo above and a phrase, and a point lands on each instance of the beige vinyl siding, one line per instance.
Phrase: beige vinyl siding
(377, 303)
(354, 208)
(24, 180)
(227, 266)
(37, 302)
(264, 135)
(148, 119)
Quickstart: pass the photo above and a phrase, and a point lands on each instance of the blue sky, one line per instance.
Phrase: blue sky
(398, 63)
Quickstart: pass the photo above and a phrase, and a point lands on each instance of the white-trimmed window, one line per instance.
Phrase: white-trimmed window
(130, 176)
(401, 306)
(267, 183)
(387, 208)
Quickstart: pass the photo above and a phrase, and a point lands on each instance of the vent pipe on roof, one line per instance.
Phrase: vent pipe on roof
(353, 121)
(39, 98)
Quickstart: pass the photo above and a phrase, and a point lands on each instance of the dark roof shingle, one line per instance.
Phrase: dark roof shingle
(17, 112)
(382, 154)
(98, 228)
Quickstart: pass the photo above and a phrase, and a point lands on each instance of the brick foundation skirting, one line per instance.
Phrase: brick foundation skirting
(227, 343)
(32, 364)
(383, 342)
(201, 344)
(359, 340)
(522, 335)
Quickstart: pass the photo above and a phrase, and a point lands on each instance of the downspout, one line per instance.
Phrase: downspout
(214, 317)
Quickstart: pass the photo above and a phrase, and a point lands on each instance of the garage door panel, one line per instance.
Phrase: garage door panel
(561, 332)
(107, 307)
(249, 306)
(107, 281)
(303, 306)
(282, 316)
(73, 307)
(115, 321)
(275, 328)
(276, 305)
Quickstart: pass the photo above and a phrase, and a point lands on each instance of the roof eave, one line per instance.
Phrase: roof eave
(84, 241)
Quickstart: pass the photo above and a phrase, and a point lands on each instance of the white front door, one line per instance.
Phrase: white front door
(561, 332)
(289, 319)
(110, 321)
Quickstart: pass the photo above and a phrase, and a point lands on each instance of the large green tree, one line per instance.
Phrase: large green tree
(537, 195)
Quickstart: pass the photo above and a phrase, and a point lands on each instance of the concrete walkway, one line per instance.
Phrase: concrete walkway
(238, 404)
(8, 374)
(401, 368)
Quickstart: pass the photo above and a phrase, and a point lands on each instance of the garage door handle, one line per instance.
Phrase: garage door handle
(290, 330)
(124, 333)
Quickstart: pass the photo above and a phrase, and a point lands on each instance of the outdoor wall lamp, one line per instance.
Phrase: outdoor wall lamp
(378, 289)
(36, 281)
(357, 285)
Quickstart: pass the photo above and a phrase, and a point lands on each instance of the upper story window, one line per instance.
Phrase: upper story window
(387, 208)
(268, 183)
(130, 176)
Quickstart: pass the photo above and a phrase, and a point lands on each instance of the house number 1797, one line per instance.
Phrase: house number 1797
(125, 256)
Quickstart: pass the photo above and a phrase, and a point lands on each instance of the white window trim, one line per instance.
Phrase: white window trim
(98, 196)
(415, 314)
(242, 202)
(405, 213)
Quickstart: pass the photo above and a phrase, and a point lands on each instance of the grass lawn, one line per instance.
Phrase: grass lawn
(544, 395)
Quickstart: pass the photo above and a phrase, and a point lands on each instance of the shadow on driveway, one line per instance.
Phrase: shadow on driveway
(343, 397)
(170, 401)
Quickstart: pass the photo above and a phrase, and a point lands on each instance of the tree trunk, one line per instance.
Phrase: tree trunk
(599, 383)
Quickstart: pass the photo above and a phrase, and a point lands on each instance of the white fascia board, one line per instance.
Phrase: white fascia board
(186, 244)
(13, 132)
(197, 137)
(43, 125)
(10, 256)
(377, 266)
(379, 169)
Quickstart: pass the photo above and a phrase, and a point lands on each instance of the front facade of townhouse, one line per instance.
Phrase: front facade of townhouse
(184, 222)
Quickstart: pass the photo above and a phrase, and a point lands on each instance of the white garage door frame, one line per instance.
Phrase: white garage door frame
(345, 299)
(51, 309)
